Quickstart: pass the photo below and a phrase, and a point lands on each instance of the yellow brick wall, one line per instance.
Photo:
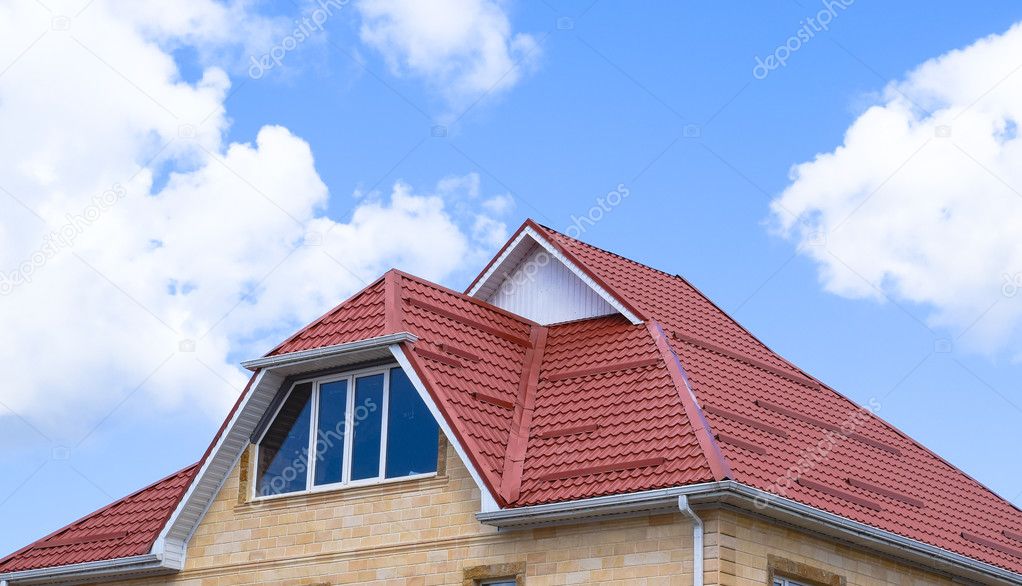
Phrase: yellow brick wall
(424, 532)
(417, 532)
(740, 549)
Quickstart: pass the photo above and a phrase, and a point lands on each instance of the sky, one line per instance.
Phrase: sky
(180, 190)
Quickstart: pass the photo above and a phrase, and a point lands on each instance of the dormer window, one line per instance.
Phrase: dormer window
(353, 429)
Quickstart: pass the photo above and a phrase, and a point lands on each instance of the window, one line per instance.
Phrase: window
(354, 429)
(785, 572)
(502, 582)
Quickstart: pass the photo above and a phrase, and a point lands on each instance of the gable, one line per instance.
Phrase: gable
(546, 291)
(534, 277)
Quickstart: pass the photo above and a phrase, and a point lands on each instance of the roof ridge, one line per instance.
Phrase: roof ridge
(693, 287)
(715, 459)
(521, 424)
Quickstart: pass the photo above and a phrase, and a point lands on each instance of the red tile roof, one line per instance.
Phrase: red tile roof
(603, 406)
(769, 418)
(125, 528)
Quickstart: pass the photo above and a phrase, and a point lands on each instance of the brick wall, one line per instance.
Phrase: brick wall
(744, 551)
(424, 532)
(417, 532)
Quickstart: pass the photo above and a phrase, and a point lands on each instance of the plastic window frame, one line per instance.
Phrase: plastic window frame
(310, 487)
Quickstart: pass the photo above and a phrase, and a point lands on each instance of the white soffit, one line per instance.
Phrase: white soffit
(577, 305)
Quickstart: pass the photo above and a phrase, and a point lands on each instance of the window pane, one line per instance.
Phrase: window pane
(333, 402)
(284, 451)
(368, 423)
(412, 434)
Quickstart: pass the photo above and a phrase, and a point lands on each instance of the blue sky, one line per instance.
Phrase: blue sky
(659, 98)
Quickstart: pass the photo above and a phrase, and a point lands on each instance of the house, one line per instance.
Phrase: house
(573, 417)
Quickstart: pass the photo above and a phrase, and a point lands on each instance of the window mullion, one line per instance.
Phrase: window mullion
(383, 424)
(313, 426)
(349, 431)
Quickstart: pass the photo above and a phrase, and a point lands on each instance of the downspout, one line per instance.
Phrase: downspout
(697, 540)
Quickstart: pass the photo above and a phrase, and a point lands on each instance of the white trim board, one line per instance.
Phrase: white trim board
(507, 263)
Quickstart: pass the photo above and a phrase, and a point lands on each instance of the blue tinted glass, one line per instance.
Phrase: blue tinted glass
(333, 402)
(412, 434)
(284, 450)
(368, 422)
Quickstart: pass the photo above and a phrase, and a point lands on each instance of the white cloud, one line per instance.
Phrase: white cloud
(462, 48)
(923, 201)
(111, 278)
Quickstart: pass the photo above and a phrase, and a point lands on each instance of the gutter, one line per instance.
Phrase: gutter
(270, 362)
(120, 568)
(732, 494)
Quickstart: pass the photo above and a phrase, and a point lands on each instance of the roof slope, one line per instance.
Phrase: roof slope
(604, 406)
(512, 391)
(608, 417)
(125, 528)
(770, 418)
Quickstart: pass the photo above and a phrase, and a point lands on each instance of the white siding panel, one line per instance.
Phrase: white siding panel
(542, 289)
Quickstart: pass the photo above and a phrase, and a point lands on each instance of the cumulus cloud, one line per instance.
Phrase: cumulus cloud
(923, 200)
(138, 251)
(462, 48)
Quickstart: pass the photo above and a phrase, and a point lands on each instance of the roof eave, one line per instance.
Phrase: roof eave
(732, 494)
(86, 572)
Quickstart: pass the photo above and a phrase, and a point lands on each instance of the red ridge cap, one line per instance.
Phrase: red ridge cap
(392, 302)
(711, 451)
(518, 438)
